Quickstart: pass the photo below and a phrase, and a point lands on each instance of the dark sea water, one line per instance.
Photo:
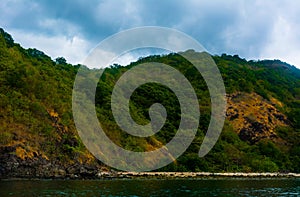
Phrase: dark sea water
(153, 187)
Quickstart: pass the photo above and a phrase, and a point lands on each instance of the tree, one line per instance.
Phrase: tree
(61, 60)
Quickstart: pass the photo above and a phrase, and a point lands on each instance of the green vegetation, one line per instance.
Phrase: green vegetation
(35, 103)
(36, 111)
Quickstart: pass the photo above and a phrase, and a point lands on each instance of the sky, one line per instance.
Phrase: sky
(256, 29)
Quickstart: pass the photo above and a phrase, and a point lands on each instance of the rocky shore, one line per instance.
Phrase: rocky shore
(91, 172)
(203, 175)
(12, 167)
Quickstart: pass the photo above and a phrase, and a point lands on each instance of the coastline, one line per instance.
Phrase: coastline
(204, 175)
(117, 175)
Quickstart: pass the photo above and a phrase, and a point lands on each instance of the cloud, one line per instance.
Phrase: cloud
(75, 49)
(256, 29)
(133, 55)
(100, 58)
(284, 42)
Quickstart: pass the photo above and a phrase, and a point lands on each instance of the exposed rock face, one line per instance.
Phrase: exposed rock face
(39, 167)
(253, 117)
(25, 157)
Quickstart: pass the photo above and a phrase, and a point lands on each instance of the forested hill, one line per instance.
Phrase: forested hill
(38, 137)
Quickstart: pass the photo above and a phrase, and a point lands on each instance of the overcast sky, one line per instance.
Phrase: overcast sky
(261, 29)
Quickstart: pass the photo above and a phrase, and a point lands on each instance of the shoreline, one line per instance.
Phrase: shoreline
(205, 175)
(113, 175)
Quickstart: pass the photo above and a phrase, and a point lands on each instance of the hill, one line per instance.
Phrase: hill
(38, 137)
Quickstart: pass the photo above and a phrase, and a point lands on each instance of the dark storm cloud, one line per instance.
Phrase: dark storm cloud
(252, 29)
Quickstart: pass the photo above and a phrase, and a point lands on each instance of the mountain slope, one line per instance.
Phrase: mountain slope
(38, 137)
(261, 132)
(37, 133)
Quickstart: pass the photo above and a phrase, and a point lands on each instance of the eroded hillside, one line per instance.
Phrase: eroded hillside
(255, 118)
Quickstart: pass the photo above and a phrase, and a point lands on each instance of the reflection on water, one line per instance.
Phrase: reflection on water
(153, 187)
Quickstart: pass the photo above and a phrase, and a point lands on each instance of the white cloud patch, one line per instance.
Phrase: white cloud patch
(133, 55)
(99, 58)
(284, 43)
(74, 49)
(126, 59)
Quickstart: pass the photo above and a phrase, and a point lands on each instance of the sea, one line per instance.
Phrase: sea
(153, 187)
